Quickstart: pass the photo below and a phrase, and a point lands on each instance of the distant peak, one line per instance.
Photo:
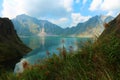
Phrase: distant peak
(103, 17)
(23, 15)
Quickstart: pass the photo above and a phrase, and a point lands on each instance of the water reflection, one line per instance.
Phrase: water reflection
(33, 42)
(42, 40)
(42, 44)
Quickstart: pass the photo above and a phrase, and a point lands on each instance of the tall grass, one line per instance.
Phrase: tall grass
(95, 61)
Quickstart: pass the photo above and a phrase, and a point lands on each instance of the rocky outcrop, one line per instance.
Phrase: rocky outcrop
(112, 27)
(28, 26)
(11, 47)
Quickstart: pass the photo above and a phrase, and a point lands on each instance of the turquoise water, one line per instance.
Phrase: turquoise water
(41, 45)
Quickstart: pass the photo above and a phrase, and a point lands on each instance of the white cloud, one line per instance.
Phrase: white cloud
(63, 22)
(56, 11)
(37, 8)
(68, 4)
(10, 9)
(95, 5)
(84, 1)
(63, 19)
(110, 13)
(112, 7)
(77, 18)
(59, 21)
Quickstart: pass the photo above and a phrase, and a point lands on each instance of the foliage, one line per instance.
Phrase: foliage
(94, 61)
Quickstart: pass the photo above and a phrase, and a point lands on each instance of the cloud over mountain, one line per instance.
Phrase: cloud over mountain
(59, 12)
(37, 8)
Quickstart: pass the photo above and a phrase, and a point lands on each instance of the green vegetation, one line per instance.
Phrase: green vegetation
(12, 48)
(94, 61)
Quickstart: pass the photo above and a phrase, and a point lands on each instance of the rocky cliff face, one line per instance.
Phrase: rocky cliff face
(90, 28)
(11, 47)
(28, 26)
(112, 27)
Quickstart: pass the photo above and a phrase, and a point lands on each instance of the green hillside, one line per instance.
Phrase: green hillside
(94, 61)
(11, 47)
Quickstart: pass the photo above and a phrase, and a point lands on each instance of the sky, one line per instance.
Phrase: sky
(65, 13)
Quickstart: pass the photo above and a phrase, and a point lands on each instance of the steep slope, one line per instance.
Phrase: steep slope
(94, 26)
(26, 25)
(112, 28)
(11, 47)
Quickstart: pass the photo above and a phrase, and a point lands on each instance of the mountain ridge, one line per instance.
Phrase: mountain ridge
(89, 27)
(33, 26)
(27, 25)
(112, 27)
